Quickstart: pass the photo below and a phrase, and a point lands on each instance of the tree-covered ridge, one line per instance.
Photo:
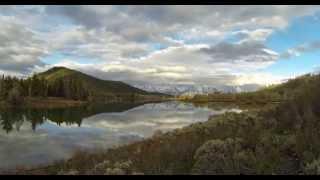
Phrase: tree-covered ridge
(96, 84)
(13, 90)
(69, 84)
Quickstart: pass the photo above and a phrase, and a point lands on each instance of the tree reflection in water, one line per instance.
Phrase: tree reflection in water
(12, 119)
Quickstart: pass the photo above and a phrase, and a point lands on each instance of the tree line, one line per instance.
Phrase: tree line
(14, 90)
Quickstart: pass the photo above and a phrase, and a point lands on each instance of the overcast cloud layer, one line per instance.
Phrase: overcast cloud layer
(149, 44)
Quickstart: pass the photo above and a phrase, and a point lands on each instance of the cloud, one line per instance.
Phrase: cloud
(258, 78)
(145, 44)
(153, 23)
(20, 49)
(78, 41)
(139, 27)
(186, 64)
(243, 52)
(259, 35)
(304, 48)
(89, 16)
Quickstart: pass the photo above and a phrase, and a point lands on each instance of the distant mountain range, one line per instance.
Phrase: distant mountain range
(185, 89)
(113, 89)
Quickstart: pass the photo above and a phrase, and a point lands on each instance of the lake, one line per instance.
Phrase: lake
(38, 137)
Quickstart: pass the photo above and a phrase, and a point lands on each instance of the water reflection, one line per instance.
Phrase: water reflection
(33, 137)
(13, 118)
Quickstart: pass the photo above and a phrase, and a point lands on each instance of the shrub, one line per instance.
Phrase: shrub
(221, 157)
(313, 168)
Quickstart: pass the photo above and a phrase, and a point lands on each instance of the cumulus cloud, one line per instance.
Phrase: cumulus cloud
(20, 49)
(89, 16)
(146, 44)
(187, 64)
(151, 23)
(243, 52)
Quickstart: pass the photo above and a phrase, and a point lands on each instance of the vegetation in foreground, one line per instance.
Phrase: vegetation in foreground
(278, 140)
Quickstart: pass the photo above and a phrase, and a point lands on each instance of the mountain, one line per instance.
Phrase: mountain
(107, 87)
(185, 89)
(101, 90)
(176, 89)
(98, 85)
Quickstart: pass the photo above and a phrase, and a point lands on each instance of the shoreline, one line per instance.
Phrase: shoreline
(44, 103)
(56, 102)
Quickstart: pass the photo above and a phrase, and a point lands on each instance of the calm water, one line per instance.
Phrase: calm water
(38, 137)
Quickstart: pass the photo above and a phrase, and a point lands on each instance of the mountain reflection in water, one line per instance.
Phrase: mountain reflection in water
(36, 137)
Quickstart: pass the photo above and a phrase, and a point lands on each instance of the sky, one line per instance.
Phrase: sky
(199, 45)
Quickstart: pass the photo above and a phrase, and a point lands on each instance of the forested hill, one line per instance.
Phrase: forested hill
(95, 85)
(70, 84)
